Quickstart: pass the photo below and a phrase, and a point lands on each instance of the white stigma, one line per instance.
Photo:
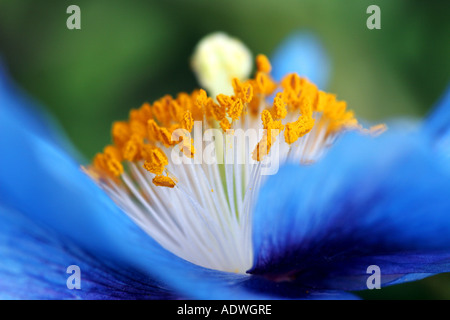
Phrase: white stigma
(217, 59)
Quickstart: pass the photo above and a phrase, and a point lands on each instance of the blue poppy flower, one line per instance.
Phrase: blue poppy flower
(314, 229)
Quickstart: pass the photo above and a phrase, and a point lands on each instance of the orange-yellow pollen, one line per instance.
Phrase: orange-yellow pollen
(201, 97)
(132, 148)
(279, 110)
(155, 161)
(297, 129)
(242, 91)
(115, 167)
(263, 63)
(225, 124)
(164, 181)
(264, 84)
(188, 121)
(272, 130)
(187, 147)
(121, 132)
(235, 110)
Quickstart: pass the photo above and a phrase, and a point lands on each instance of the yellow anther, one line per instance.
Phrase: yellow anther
(247, 93)
(276, 125)
(279, 110)
(146, 151)
(264, 83)
(266, 118)
(99, 162)
(305, 106)
(261, 82)
(142, 114)
(290, 133)
(291, 98)
(272, 129)
(184, 100)
(121, 132)
(263, 147)
(166, 137)
(159, 156)
(346, 120)
(190, 101)
(335, 110)
(112, 152)
(225, 101)
(207, 109)
(291, 81)
(155, 160)
(134, 115)
(225, 124)
(187, 121)
(115, 167)
(202, 97)
(108, 162)
(268, 122)
(235, 109)
(297, 129)
(161, 134)
(218, 111)
(161, 110)
(145, 112)
(304, 125)
(164, 181)
(255, 105)
(153, 168)
(187, 147)
(340, 108)
(138, 128)
(322, 99)
(152, 130)
(236, 83)
(132, 149)
(175, 110)
(263, 64)
(243, 91)
(308, 91)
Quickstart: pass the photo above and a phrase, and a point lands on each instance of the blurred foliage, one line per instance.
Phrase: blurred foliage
(128, 52)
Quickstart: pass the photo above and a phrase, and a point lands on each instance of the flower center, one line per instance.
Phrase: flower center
(195, 196)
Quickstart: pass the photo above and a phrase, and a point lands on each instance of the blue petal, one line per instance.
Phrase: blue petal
(371, 201)
(438, 122)
(34, 263)
(302, 52)
(438, 126)
(292, 290)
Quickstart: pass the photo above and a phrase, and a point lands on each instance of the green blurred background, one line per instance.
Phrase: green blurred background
(130, 51)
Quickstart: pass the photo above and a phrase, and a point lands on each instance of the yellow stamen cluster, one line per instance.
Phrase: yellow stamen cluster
(151, 128)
